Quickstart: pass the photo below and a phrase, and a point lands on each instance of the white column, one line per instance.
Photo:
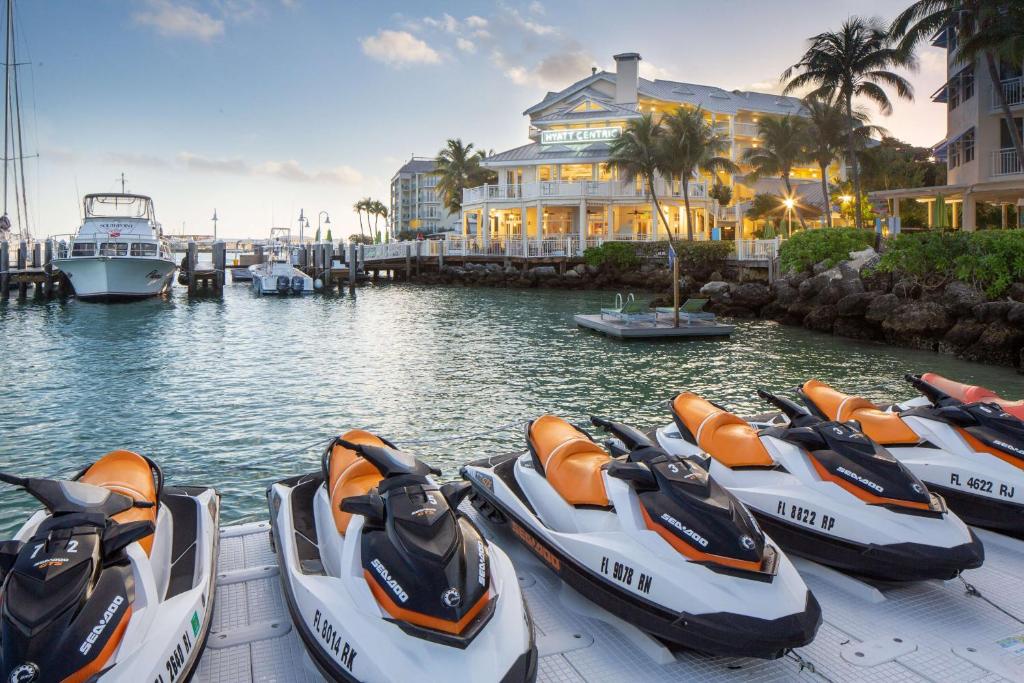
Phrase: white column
(523, 222)
(1004, 217)
(484, 225)
(609, 228)
(465, 223)
(896, 207)
(931, 212)
(583, 224)
(540, 223)
(954, 216)
(970, 209)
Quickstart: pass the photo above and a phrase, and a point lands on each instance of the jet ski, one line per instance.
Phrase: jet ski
(971, 453)
(651, 539)
(967, 393)
(825, 491)
(387, 581)
(113, 580)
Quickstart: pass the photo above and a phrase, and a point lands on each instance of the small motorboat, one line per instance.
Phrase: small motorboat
(277, 275)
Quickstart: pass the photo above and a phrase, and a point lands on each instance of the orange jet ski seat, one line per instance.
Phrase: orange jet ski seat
(969, 393)
(349, 474)
(722, 435)
(880, 426)
(570, 461)
(130, 475)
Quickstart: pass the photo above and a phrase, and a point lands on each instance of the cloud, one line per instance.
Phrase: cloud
(172, 20)
(475, 22)
(447, 23)
(131, 159)
(290, 170)
(536, 7)
(552, 72)
(465, 45)
(398, 48)
(652, 71)
(516, 19)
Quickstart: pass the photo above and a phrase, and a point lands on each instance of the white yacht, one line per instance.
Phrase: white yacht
(278, 275)
(119, 252)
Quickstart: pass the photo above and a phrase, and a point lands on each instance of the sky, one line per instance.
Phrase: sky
(262, 108)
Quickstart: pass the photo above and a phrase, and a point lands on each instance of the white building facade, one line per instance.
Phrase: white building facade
(560, 184)
(416, 204)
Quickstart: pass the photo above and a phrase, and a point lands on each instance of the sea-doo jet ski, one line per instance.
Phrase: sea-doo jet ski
(825, 491)
(971, 453)
(113, 580)
(387, 581)
(968, 393)
(650, 539)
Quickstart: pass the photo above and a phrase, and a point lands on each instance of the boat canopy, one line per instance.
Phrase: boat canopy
(115, 205)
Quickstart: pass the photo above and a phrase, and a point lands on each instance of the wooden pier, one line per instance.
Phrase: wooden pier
(206, 277)
(33, 266)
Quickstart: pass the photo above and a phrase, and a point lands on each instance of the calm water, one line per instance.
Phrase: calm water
(232, 393)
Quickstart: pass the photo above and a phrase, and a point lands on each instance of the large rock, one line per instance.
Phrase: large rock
(881, 306)
(1016, 291)
(961, 298)
(961, 335)
(715, 288)
(856, 328)
(784, 293)
(750, 295)
(543, 271)
(917, 324)
(855, 305)
(991, 311)
(821, 318)
(572, 275)
(1015, 314)
(1000, 343)
(813, 286)
(907, 289)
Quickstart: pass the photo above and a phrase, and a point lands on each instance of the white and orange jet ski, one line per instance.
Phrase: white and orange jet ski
(966, 393)
(650, 538)
(826, 492)
(387, 581)
(113, 580)
(970, 452)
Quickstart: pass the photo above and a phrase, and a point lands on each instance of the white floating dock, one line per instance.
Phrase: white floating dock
(929, 631)
(652, 329)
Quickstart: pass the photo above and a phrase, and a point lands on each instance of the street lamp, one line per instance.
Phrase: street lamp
(789, 203)
(302, 220)
(214, 219)
(327, 221)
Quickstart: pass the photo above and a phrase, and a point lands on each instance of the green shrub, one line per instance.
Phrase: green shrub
(619, 255)
(991, 260)
(702, 257)
(831, 245)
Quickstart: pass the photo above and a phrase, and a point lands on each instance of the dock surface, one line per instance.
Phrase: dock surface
(652, 329)
(927, 631)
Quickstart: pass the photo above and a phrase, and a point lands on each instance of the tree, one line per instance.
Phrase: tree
(377, 210)
(989, 30)
(636, 153)
(781, 148)
(689, 144)
(826, 128)
(359, 207)
(458, 167)
(855, 61)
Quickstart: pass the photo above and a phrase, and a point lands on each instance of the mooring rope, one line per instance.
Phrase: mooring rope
(806, 665)
(969, 589)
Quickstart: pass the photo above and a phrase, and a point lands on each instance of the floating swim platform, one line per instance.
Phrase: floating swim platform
(919, 632)
(659, 328)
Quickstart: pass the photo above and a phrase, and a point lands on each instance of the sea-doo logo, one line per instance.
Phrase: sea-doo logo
(856, 477)
(917, 488)
(24, 673)
(50, 562)
(484, 480)
(747, 542)
(423, 511)
(1006, 446)
(481, 559)
(99, 628)
(386, 576)
(703, 542)
(451, 597)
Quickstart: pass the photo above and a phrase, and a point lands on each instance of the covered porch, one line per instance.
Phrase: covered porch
(956, 206)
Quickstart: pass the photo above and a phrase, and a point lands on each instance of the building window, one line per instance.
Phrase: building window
(954, 93)
(954, 154)
(543, 173)
(1005, 141)
(967, 82)
(967, 141)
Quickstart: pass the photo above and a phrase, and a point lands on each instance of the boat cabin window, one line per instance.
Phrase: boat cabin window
(113, 249)
(118, 206)
(143, 249)
(83, 249)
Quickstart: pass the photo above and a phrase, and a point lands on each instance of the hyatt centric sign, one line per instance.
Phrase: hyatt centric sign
(579, 136)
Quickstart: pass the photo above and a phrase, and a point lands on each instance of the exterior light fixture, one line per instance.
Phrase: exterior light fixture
(789, 202)
(845, 198)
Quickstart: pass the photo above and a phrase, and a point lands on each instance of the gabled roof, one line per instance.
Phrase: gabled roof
(537, 152)
(415, 165)
(610, 110)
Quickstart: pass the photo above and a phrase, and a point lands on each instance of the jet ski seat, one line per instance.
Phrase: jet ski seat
(972, 393)
(880, 426)
(349, 474)
(130, 475)
(722, 435)
(569, 459)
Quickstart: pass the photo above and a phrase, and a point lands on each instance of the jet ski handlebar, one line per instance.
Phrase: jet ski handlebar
(930, 391)
(797, 414)
(632, 437)
(391, 462)
(63, 496)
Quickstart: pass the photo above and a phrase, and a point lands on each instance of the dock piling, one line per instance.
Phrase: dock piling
(193, 257)
(352, 268)
(5, 270)
(440, 256)
(419, 250)
(22, 264)
(408, 262)
(48, 269)
(220, 263)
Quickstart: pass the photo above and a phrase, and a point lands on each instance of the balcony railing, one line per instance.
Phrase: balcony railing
(748, 130)
(577, 189)
(1006, 162)
(1013, 91)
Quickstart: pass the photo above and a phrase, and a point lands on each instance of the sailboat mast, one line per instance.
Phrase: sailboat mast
(7, 97)
(26, 232)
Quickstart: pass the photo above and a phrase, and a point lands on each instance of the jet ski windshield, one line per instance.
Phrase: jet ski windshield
(65, 497)
(391, 462)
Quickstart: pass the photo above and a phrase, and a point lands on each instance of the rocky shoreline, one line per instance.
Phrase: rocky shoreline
(850, 300)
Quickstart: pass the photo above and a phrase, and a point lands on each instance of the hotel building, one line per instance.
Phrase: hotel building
(981, 161)
(415, 202)
(559, 184)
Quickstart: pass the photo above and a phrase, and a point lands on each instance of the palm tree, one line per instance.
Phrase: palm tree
(989, 30)
(458, 167)
(637, 153)
(781, 148)
(378, 211)
(689, 144)
(855, 61)
(359, 207)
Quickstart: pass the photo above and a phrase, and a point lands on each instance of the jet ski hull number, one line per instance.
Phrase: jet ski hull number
(806, 516)
(175, 664)
(623, 573)
(981, 485)
(332, 639)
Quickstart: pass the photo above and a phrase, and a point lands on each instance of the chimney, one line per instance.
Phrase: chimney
(627, 74)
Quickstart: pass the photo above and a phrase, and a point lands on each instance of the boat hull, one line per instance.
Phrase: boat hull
(103, 278)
